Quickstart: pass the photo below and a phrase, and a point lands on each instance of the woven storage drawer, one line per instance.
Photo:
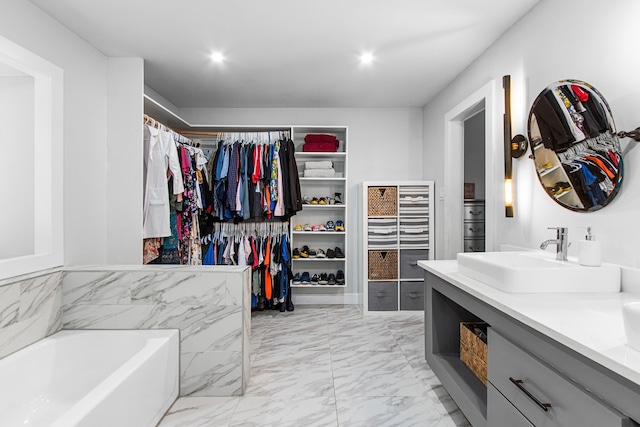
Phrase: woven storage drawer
(382, 201)
(473, 351)
(383, 265)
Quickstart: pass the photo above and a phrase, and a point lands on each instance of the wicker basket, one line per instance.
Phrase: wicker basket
(383, 265)
(473, 351)
(383, 201)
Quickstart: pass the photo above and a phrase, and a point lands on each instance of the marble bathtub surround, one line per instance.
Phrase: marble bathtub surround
(329, 366)
(211, 308)
(30, 309)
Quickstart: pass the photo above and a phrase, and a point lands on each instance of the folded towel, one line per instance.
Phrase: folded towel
(319, 173)
(324, 164)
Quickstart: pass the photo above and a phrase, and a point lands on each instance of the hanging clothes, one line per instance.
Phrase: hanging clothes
(160, 162)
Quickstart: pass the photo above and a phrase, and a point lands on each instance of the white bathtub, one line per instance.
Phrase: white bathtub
(92, 379)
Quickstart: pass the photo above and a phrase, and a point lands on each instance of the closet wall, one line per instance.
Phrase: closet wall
(383, 142)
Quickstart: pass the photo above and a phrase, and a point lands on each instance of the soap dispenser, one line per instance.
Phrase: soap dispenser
(589, 250)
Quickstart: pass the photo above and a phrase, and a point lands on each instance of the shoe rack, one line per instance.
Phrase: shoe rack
(321, 213)
(397, 222)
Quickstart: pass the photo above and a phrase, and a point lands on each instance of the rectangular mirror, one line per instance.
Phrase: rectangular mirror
(30, 162)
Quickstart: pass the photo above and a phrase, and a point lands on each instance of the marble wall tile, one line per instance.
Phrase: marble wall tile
(214, 373)
(210, 308)
(96, 287)
(9, 304)
(179, 288)
(30, 309)
(111, 317)
(205, 328)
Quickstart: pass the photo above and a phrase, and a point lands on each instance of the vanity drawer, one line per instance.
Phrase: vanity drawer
(383, 296)
(570, 404)
(502, 412)
(473, 211)
(473, 229)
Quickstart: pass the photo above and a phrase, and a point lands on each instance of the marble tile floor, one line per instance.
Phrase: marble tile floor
(330, 366)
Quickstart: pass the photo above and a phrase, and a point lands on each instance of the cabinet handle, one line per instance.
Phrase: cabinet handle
(545, 406)
(413, 263)
(475, 212)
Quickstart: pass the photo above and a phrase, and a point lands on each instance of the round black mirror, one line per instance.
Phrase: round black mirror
(575, 149)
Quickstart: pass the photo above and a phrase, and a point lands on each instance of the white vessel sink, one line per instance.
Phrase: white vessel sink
(631, 316)
(536, 272)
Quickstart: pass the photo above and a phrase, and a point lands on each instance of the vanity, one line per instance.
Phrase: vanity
(554, 359)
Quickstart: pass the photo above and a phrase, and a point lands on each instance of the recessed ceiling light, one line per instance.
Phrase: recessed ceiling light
(366, 58)
(217, 57)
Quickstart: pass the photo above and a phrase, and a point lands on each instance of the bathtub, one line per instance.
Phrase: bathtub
(91, 378)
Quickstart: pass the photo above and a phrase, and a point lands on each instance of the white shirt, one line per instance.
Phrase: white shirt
(160, 162)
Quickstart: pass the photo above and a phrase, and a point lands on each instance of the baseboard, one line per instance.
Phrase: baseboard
(334, 298)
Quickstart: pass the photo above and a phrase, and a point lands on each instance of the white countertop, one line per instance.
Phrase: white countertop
(590, 324)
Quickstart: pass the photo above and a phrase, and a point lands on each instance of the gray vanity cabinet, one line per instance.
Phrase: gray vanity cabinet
(515, 372)
(503, 413)
(582, 393)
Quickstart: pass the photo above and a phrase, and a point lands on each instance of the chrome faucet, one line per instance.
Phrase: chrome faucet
(561, 242)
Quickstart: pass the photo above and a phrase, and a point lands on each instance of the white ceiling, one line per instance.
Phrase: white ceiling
(293, 53)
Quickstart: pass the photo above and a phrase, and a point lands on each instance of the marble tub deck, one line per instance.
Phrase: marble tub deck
(328, 366)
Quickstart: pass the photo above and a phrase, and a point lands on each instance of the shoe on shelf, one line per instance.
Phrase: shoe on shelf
(315, 228)
(296, 253)
(320, 254)
(312, 253)
(323, 201)
(324, 279)
(315, 279)
(306, 200)
(296, 279)
(331, 280)
(339, 253)
(305, 279)
(330, 226)
(304, 252)
(340, 277)
(337, 199)
(306, 227)
(314, 201)
(339, 225)
(298, 228)
(331, 253)
(321, 227)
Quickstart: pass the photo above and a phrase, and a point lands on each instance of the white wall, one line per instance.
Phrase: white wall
(548, 45)
(384, 144)
(16, 166)
(124, 161)
(85, 96)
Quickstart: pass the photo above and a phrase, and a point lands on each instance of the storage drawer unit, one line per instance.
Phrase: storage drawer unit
(411, 295)
(383, 296)
(474, 226)
(530, 384)
(382, 232)
(383, 265)
(409, 263)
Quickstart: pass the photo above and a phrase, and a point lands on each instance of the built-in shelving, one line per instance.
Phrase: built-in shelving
(396, 233)
(318, 187)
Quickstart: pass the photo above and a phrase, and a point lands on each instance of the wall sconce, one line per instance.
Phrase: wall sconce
(514, 147)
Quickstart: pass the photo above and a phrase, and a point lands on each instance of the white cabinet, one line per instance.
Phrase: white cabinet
(396, 233)
(333, 191)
